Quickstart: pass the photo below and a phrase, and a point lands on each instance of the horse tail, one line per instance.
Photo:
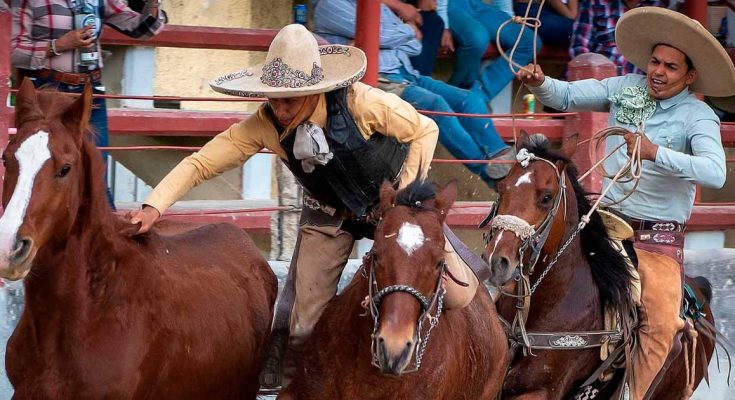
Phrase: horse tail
(705, 286)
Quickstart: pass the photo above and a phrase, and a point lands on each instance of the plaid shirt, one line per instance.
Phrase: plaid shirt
(36, 22)
(594, 29)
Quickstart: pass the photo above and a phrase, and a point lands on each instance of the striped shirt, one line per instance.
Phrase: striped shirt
(594, 29)
(37, 22)
(334, 20)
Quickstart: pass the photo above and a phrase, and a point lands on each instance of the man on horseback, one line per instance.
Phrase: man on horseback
(341, 139)
(680, 146)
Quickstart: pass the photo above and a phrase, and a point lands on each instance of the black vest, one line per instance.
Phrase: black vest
(351, 179)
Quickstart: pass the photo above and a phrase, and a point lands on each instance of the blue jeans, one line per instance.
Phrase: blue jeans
(465, 138)
(555, 29)
(432, 30)
(474, 25)
(97, 119)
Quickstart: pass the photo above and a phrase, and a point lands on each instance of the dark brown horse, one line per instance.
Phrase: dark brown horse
(401, 282)
(589, 275)
(157, 316)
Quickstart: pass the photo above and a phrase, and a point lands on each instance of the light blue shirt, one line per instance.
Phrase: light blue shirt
(685, 129)
(334, 20)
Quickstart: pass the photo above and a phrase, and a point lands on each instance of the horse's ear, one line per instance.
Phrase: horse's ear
(522, 141)
(445, 198)
(569, 146)
(26, 103)
(387, 197)
(77, 115)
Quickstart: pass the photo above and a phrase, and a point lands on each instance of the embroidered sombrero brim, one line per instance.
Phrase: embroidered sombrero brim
(640, 29)
(341, 66)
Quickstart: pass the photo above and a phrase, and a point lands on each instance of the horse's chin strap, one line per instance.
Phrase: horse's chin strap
(436, 302)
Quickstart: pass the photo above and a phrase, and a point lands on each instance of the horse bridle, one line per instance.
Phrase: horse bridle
(376, 296)
(533, 238)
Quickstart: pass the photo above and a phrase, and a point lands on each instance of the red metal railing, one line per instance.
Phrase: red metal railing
(707, 216)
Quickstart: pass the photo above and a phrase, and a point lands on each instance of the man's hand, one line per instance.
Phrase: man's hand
(427, 5)
(76, 39)
(447, 43)
(146, 218)
(648, 149)
(531, 75)
(409, 14)
(416, 31)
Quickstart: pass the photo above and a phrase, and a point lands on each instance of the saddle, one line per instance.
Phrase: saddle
(616, 356)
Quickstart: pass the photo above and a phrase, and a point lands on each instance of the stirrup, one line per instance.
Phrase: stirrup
(271, 376)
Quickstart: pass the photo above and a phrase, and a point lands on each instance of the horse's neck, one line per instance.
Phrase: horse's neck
(348, 311)
(70, 273)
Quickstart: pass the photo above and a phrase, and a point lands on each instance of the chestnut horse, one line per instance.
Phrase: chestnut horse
(107, 315)
(410, 348)
(570, 297)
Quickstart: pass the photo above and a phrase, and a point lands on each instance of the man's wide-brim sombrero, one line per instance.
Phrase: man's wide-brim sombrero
(640, 29)
(296, 66)
(726, 104)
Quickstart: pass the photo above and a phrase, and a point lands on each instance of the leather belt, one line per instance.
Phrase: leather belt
(69, 78)
(662, 226)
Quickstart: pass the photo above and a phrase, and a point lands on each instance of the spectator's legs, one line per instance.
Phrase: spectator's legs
(555, 30)
(481, 130)
(432, 30)
(498, 74)
(452, 134)
(471, 39)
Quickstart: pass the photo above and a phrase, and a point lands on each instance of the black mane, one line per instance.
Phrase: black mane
(416, 193)
(609, 269)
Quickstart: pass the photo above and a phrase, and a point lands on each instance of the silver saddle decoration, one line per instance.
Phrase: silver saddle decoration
(311, 147)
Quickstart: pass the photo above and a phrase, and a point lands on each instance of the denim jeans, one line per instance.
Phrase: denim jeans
(465, 138)
(432, 30)
(97, 119)
(474, 25)
(555, 29)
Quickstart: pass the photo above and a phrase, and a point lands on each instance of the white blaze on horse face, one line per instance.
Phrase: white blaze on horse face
(410, 237)
(525, 178)
(31, 156)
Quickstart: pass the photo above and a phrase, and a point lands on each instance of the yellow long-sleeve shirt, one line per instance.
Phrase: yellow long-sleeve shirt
(372, 109)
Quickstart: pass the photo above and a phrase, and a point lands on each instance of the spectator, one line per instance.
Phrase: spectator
(594, 29)
(431, 24)
(465, 138)
(61, 47)
(557, 19)
(474, 26)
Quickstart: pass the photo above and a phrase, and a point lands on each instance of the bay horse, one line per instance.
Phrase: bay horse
(164, 315)
(372, 340)
(589, 276)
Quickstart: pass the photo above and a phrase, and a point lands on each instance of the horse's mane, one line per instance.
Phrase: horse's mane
(609, 268)
(416, 193)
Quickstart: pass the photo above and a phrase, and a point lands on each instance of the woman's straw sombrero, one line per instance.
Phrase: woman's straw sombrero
(640, 29)
(296, 66)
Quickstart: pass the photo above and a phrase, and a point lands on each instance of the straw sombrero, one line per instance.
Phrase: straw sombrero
(640, 29)
(296, 66)
(723, 103)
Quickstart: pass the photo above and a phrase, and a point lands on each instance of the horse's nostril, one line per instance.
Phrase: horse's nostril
(21, 250)
(408, 345)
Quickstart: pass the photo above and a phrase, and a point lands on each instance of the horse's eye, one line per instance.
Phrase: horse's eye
(546, 199)
(64, 171)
